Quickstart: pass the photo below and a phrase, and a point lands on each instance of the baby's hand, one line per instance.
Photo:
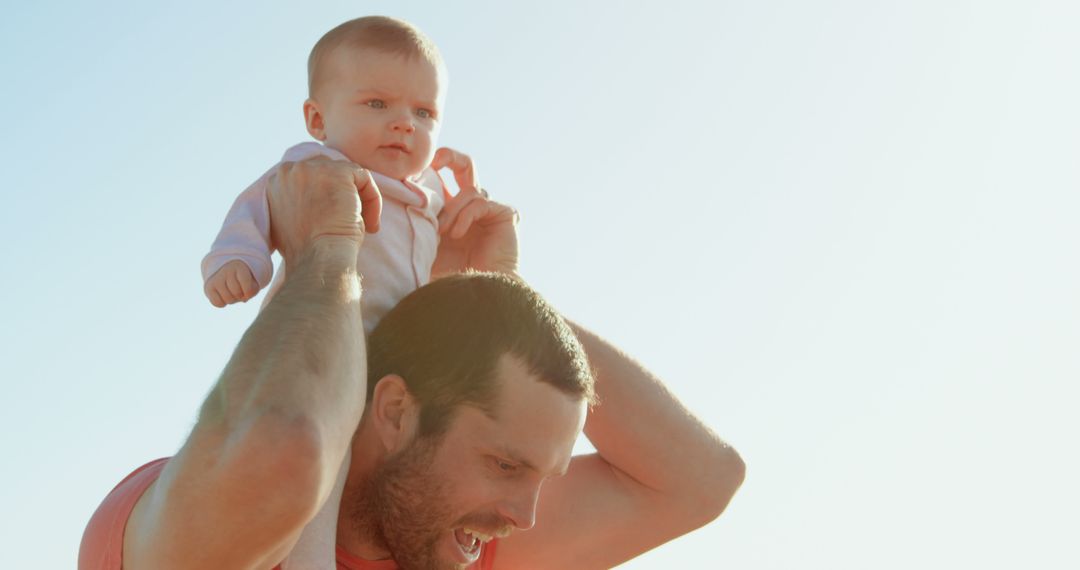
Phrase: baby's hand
(233, 282)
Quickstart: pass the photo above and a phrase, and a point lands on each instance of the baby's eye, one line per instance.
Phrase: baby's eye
(376, 104)
(424, 113)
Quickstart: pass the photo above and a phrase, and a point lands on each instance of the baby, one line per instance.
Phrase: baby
(376, 90)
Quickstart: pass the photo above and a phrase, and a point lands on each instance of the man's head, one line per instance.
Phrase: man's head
(376, 88)
(477, 393)
(447, 338)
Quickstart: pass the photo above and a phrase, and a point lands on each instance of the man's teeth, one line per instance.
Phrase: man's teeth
(478, 535)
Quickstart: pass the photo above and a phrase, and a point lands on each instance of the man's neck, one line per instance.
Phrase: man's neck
(356, 531)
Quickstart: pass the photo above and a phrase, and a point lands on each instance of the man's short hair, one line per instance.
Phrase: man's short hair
(388, 35)
(446, 338)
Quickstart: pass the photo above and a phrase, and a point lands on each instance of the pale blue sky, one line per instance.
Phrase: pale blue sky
(844, 232)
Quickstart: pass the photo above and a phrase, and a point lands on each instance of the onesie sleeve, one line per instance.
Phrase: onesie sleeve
(245, 235)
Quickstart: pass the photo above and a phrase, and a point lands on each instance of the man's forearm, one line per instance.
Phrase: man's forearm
(640, 429)
(301, 366)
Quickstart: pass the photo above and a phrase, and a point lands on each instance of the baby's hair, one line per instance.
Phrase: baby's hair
(388, 35)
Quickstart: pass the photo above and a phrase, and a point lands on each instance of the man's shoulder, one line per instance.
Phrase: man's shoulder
(487, 557)
(103, 540)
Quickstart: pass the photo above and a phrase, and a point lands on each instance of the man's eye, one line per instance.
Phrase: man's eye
(504, 466)
(376, 104)
(423, 113)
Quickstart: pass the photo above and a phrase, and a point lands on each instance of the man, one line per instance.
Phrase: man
(475, 395)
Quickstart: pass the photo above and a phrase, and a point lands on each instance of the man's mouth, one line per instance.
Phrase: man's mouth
(470, 540)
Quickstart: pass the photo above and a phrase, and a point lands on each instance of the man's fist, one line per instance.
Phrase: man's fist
(230, 284)
(318, 198)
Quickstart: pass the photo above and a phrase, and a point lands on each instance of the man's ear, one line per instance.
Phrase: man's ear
(395, 412)
(313, 119)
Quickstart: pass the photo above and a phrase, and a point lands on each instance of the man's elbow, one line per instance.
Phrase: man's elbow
(725, 474)
(282, 461)
(730, 477)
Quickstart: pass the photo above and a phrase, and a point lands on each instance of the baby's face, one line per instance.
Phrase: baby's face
(381, 110)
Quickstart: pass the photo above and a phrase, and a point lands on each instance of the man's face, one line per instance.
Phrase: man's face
(381, 110)
(434, 503)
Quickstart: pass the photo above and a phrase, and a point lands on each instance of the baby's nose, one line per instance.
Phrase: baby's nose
(403, 123)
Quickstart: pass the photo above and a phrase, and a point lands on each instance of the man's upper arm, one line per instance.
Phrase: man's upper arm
(216, 507)
(594, 517)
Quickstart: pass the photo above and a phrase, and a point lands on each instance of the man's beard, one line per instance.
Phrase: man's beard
(397, 508)
(403, 507)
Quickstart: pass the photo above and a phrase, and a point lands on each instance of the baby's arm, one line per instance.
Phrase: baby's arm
(245, 237)
(239, 262)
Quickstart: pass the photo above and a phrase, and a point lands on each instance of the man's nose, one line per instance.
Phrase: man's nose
(520, 508)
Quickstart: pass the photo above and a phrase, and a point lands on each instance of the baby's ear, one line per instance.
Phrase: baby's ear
(313, 119)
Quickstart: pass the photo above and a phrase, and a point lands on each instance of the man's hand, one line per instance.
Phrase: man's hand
(477, 233)
(230, 284)
(318, 198)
